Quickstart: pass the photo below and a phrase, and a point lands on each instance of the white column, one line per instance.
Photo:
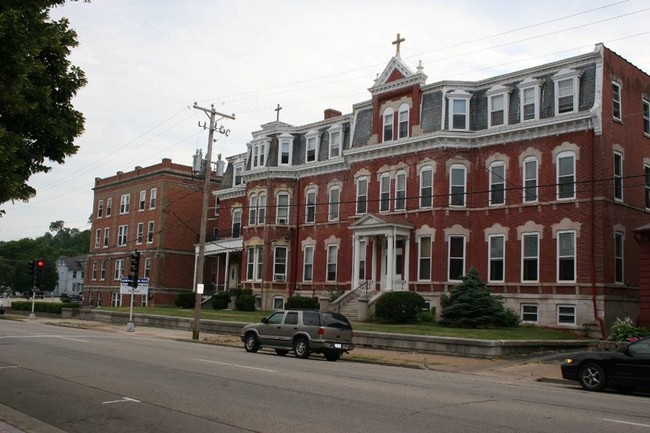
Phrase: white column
(390, 261)
(226, 273)
(407, 256)
(355, 264)
(374, 263)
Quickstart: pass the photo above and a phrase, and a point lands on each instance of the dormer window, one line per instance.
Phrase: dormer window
(567, 85)
(258, 157)
(403, 125)
(498, 101)
(388, 124)
(285, 149)
(312, 144)
(529, 97)
(459, 110)
(336, 140)
(238, 171)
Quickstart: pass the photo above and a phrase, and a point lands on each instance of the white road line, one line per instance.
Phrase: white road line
(235, 365)
(8, 366)
(626, 422)
(123, 400)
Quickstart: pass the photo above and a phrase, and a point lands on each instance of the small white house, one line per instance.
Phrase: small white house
(71, 275)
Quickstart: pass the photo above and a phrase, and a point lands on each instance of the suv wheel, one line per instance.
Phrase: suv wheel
(301, 348)
(332, 355)
(250, 343)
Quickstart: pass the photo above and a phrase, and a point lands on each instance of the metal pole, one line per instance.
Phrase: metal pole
(204, 218)
(130, 327)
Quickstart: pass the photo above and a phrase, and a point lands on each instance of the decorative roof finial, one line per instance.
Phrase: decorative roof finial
(397, 42)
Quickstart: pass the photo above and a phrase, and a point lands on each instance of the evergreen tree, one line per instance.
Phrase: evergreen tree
(471, 305)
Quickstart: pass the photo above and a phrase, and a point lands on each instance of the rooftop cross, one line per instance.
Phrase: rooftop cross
(397, 42)
(277, 115)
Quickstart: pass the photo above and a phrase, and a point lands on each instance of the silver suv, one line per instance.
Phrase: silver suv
(304, 331)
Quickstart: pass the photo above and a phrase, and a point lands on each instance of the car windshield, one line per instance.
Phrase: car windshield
(336, 320)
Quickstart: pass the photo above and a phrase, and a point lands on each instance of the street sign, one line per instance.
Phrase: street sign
(142, 289)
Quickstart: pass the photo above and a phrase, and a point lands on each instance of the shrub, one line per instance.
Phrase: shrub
(41, 307)
(301, 302)
(399, 307)
(427, 316)
(624, 330)
(245, 303)
(185, 300)
(220, 300)
(471, 305)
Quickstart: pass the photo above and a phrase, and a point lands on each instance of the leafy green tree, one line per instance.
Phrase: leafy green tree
(471, 305)
(38, 123)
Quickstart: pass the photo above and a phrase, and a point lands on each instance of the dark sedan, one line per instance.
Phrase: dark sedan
(626, 368)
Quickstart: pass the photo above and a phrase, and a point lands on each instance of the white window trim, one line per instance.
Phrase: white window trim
(491, 94)
(285, 139)
(502, 259)
(335, 262)
(449, 257)
(237, 215)
(142, 203)
(305, 263)
(524, 179)
(429, 258)
(618, 101)
(277, 277)
(109, 206)
(308, 205)
(333, 205)
(152, 198)
(645, 106)
(388, 113)
(493, 181)
(536, 85)
(362, 180)
(574, 314)
(567, 74)
(119, 269)
(384, 181)
(150, 231)
(100, 208)
(618, 177)
(424, 169)
(311, 135)
(332, 130)
(557, 174)
(399, 174)
(458, 95)
(125, 204)
(238, 167)
(252, 210)
(98, 238)
(139, 233)
(451, 185)
(404, 109)
(558, 257)
(278, 219)
(122, 234)
(261, 208)
(521, 312)
(646, 167)
(524, 257)
(620, 234)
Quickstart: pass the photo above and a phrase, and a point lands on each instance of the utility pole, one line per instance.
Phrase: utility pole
(198, 290)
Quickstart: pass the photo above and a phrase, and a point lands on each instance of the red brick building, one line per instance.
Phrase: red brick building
(537, 178)
(156, 211)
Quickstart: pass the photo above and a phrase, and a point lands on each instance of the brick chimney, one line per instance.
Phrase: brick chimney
(330, 112)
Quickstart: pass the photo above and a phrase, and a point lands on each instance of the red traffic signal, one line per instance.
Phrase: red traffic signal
(40, 263)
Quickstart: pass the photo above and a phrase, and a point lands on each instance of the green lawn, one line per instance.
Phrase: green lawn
(519, 333)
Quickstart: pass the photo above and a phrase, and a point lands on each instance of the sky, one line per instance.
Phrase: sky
(148, 61)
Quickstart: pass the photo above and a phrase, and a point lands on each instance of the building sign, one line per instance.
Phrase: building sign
(142, 289)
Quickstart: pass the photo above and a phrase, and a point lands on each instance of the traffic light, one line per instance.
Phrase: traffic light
(135, 265)
(40, 265)
(31, 267)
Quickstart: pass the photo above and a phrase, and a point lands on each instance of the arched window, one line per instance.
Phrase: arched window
(403, 121)
(388, 124)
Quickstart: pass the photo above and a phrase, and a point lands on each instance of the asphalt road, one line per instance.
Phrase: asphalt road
(99, 381)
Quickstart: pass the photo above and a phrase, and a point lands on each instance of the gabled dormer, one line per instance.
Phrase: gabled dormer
(396, 96)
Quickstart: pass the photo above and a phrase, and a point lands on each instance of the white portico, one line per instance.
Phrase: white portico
(386, 239)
